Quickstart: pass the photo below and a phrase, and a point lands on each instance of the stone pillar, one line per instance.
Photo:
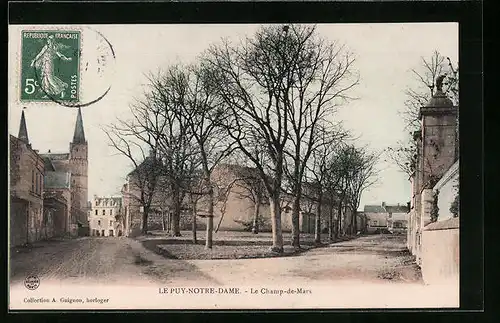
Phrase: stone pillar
(439, 120)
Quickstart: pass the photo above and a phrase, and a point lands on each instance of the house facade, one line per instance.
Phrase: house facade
(235, 205)
(26, 189)
(47, 190)
(105, 219)
(379, 218)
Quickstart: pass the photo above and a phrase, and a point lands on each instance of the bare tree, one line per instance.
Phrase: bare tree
(323, 172)
(248, 81)
(404, 153)
(190, 89)
(179, 152)
(279, 86)
(362, 174)
(144, 178)
(320, 75)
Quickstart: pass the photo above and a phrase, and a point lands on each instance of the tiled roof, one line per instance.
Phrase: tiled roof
(374, 209)
(56, 179)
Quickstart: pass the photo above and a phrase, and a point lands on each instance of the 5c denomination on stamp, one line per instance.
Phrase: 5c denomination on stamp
(50, 65)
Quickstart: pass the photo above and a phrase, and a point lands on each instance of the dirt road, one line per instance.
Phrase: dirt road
(126, 261)
(98, 260)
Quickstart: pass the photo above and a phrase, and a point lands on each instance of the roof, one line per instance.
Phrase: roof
(53, 179)
(79, 135)
(396, 208)
(374, 209)
(23, 131)
(147, 162)
(48, 164)
(52, 156)
(107, 201)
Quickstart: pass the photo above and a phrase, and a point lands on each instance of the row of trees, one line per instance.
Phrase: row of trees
(268, 103)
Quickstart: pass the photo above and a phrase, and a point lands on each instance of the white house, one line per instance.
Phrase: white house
(386, 217)
(105, 216)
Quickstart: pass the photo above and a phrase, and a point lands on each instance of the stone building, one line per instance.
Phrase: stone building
(26, 189)
(105, 217)
(433, 233)
(75, 163)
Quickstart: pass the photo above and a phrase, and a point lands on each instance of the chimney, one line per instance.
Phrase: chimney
(49, 151)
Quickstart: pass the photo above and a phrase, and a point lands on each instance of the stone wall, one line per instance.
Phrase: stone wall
(18, 221)
(440, 252)
(446, 189)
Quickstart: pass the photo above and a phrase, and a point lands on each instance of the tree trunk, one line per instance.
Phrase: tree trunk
(176, 218)
(317, 225)
(338, 223)
(274, 203)
(296, 220)
(145, 220)
(193, 227)
(255, 225)
(355, 214)
(210, 219)
(331, 225)
(163, 222)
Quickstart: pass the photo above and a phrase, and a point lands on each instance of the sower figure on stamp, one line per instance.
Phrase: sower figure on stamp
(44, 62)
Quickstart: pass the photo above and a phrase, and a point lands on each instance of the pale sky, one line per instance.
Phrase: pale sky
(385, 53)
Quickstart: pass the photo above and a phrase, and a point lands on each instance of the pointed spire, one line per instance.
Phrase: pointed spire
(23, 131)
(79, 135)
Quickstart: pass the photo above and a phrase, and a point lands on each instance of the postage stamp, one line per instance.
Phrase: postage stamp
(50, 65)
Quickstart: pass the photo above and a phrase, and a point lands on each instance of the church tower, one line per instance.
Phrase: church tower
(23, 131)
(78, 163)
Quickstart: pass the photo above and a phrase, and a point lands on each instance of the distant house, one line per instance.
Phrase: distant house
(386, 217)
(105, 216)
(397, 218)
(376, 218)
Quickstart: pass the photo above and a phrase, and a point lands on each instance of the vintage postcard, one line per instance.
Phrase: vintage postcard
(244, 166)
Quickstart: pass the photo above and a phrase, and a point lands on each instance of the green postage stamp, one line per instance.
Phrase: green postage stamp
(50, 63)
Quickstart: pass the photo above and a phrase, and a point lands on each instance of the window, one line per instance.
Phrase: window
(375, 222)
(96, 212)
(98, 222)
(110, 212)
(110, 222)
(32, 180)
(103, 212)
